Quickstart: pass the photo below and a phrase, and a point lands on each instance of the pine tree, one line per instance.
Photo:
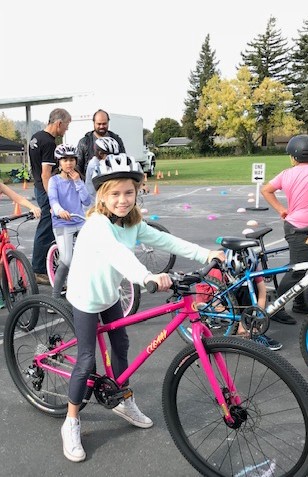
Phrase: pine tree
(206, 67)
(298, 76)
(268, 57)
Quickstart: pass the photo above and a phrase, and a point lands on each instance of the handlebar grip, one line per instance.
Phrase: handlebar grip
(151, 287)
(205, 270)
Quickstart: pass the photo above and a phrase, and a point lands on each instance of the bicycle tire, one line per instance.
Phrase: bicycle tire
(156, 261)
(303, 340)
(272, 437)
(52, 261)
(130, 296)
(24, 284)
(218, 325)
(43, 389)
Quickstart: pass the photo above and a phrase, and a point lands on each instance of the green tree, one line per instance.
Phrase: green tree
(205, 69)
(232, 108)
(268, 57)
(298, 76)
(164, 129)
(7, 128)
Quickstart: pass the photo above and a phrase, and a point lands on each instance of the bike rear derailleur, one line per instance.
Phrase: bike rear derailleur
(108, 393)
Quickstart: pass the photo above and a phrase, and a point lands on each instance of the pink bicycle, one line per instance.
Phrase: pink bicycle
(232, 407)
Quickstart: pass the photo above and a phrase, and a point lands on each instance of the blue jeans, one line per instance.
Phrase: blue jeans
(43, 235)
(298, 249)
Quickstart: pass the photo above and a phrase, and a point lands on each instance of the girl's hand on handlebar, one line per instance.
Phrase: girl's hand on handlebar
(163, 281)
(216, 254)
(64, 214)
(36, 211)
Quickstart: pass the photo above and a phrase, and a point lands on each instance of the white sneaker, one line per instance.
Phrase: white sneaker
(129, 410)
(72, 447)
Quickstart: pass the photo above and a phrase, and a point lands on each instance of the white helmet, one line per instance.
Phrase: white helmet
(237, 262)
(108, 145)
(65, 150)
(117, 167)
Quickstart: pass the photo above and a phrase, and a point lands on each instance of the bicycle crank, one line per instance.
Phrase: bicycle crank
(108, 393)
(255, 320)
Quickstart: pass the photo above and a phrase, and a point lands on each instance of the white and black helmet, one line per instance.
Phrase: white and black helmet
(65, 150)
(237, 262)
(108, 145)
(117, 167)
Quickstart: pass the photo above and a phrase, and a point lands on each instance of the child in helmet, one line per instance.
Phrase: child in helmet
(104, 252)
(102, 147)
(67, 195)
(293, 182)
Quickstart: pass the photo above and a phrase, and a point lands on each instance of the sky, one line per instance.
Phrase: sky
(127, 57)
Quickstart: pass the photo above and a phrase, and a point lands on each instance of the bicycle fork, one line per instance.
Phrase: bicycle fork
(199, 329)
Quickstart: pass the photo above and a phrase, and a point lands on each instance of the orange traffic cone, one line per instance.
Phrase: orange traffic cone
(158, 175)
(162, 175)
(156, 191)
(25, 185)
(169, 174)
(176, 172)
(17, 209)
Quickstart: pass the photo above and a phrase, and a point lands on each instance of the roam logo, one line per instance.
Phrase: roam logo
(158, 341)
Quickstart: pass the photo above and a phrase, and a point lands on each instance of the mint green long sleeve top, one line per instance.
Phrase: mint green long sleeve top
(104, 255)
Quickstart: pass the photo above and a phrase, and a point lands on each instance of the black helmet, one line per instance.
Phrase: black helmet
(117, 167)
(297, 147)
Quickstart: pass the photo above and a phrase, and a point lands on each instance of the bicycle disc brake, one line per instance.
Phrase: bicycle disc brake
(108, 393)
(255, 320)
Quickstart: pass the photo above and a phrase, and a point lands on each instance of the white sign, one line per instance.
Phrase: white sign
(258, 172)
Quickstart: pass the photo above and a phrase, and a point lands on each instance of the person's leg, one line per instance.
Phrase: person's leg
(127, 409)
(85, 328)
(64, 238)
(298, 250)
(43, 235)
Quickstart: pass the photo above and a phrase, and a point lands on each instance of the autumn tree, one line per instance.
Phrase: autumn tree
(7, 128)
(298, 75)
(205, 69)
(232, 108)
(267, 57)
(164, 129)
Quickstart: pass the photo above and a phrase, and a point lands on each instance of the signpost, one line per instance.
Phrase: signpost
(258, 176)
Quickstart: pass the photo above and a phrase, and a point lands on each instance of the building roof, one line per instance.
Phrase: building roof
(176, 142)
(34, 101)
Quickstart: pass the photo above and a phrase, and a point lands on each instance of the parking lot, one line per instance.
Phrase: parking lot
(30, 443)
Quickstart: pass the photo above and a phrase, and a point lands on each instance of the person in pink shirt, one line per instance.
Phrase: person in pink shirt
(294, 183)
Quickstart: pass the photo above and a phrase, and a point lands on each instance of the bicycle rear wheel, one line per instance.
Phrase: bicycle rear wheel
(23, 285)
(156, 261)
(52, 262)
(219, 316)
(303, 340)
(270, 432)
(42, 388)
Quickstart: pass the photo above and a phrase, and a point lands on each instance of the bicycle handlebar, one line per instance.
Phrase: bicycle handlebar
(186, 280)
(7, 219)
(73, 215)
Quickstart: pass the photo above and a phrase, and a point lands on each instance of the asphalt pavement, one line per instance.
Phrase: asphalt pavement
(30, 443)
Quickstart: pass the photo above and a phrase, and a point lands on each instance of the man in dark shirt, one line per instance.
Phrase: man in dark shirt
(85, 148)
(41, 152)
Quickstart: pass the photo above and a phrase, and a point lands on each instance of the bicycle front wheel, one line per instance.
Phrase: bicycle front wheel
(219, 316)
(130, 296)
(269, 436)
(43, 388)
(156, 261)
(303, 340)
(23, 284)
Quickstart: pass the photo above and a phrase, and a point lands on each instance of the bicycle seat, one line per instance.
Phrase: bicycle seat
(259, 233)
(236, 244)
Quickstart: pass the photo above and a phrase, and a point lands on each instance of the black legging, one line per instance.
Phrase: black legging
(85, 328)
(298, 249)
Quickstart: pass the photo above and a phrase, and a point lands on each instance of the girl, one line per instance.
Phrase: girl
(19, 199)
(67, 194)
(103, 255)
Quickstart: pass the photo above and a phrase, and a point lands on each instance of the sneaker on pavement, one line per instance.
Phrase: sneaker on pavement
(268, 342)
(42, 279)
(300, 308)
(72, 447)
(282, 317)
(129, 410)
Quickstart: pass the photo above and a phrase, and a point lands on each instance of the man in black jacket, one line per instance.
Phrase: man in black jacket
(86, 144)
